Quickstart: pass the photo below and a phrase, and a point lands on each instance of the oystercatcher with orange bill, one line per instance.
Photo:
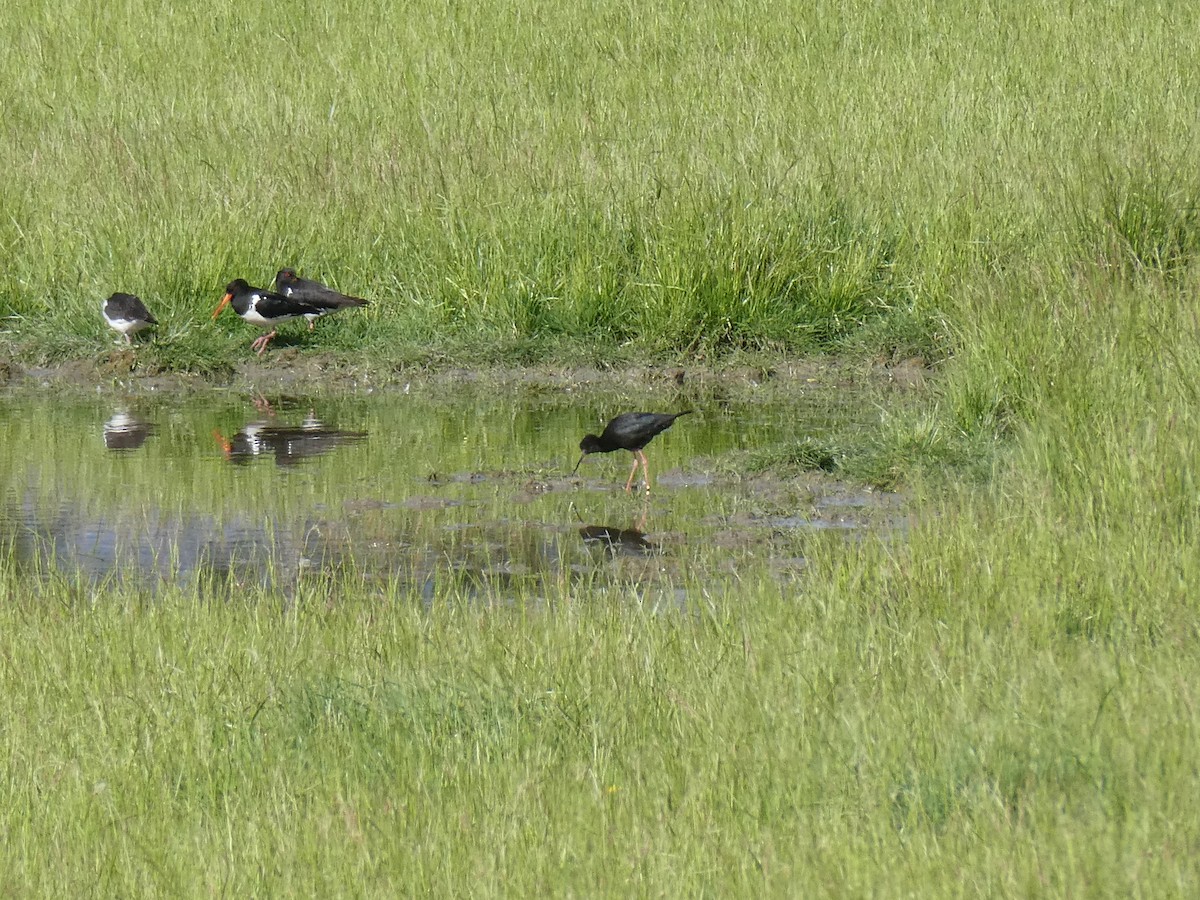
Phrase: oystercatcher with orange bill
(263, 308)
(289, 284)
(127, 315)
(632, 432)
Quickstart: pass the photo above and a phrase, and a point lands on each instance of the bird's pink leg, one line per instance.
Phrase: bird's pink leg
(260, 344)
(632, 472)
(645, 470)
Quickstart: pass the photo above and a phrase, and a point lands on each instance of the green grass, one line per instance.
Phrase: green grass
(998, 701)
(712, 182)
(671, 183)
(880, 742)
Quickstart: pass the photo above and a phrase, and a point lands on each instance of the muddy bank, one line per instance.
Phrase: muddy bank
(293, 372)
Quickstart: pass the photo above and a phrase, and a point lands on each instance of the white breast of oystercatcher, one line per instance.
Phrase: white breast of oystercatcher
(254, 317)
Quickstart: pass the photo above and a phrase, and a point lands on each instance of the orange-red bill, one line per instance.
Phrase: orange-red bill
(220, 306)
(225, 445)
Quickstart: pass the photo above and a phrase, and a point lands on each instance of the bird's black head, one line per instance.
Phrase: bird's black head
(589, 444)
(285, 276)
(235, 288)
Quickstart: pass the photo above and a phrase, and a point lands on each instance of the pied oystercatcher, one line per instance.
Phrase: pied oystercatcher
(629, 431)
(263, 308)
(289, 284)
(127, 315)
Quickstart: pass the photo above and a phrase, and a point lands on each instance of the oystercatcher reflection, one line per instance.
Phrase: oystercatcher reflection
(288, 444)
(125, 431)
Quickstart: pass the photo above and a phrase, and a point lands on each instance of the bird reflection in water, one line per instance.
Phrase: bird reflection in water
(624, 541)
(125, 431)
(289, 444)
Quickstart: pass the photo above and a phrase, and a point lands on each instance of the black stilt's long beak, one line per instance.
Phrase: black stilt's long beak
(581, 459)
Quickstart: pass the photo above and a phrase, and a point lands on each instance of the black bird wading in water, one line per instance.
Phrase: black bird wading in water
(632, 432)
(289, 284)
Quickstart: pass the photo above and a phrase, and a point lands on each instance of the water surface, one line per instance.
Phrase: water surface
(427, 496)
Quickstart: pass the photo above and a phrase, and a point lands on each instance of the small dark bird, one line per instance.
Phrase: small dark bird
(262, 308)
(288, 283)
(629, 431)
(127, 314)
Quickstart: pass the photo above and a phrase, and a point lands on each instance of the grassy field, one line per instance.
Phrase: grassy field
(527, 181)
(1002, 703)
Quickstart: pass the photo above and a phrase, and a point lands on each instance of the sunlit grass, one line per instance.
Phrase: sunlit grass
(692, 180)
(997, 700)
(407, 749)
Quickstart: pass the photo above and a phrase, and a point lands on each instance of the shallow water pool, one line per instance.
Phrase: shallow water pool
(468, 495)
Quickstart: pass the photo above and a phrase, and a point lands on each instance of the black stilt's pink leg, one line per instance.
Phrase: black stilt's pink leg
(632, 472)
(645, 469)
